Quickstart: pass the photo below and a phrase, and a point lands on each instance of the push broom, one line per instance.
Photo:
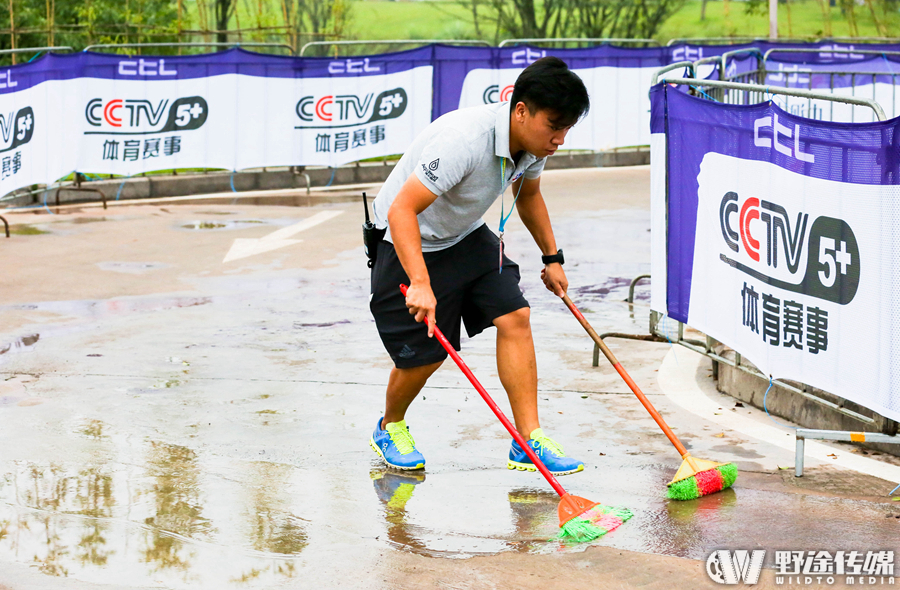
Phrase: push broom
(580, 519)
(695, 477)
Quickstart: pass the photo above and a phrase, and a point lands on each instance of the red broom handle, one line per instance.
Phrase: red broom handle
(494, 408)
(621, 370)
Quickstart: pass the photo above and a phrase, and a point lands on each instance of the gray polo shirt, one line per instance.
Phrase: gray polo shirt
(458, 157)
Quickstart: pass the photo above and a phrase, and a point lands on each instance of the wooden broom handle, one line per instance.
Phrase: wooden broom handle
(621, 370)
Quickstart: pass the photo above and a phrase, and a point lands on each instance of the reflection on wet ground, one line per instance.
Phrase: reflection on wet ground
(217, 436)
(113, 522)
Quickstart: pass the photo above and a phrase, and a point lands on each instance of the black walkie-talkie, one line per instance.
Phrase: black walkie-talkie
(371, 235)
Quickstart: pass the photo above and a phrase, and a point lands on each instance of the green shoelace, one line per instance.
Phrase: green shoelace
(401, 437)
(548, 443)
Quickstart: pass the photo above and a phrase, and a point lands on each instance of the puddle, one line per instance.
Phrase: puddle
(222, 224)
(133, 268)
(112, 307)
(23, 344)
(323, 325)
(151, 525)
(603, 289)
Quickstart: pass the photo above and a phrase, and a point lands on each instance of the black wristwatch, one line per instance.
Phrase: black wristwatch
(558, 257)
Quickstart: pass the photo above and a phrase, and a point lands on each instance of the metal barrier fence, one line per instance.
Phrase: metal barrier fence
(593, 40)
(249, 44)
(859, 81)
(747, 93)
(337, 44)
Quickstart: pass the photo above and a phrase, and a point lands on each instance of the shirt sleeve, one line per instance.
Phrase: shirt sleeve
(444, 161)
(534, 171)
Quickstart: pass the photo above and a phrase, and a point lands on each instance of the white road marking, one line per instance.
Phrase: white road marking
(677, 379)
(242, 247)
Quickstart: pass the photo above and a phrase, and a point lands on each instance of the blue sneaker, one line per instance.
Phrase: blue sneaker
(548, 450)
(395, 489)
(396, 447)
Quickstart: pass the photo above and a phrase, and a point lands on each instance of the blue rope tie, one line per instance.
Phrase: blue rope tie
(121, 186)
(45, 203)
(703, 93)
(767, 409)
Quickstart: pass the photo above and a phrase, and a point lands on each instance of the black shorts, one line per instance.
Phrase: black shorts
(467, 285)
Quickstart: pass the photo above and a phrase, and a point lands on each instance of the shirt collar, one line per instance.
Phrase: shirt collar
(501, 131)
(501, 136)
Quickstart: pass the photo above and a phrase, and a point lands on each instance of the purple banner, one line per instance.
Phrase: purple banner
(68, 66)
(858, 153)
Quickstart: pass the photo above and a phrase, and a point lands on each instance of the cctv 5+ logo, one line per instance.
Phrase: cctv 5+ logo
(16, 128)
(781, 248)
(492, 94)
(143, 117)
(350, 110)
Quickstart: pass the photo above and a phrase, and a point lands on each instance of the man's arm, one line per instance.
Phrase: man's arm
(533, 213)
(412, 199)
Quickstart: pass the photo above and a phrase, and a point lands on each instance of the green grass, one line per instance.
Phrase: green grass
(805, 20)
(411, 20)
(448, 19)
(26, 230)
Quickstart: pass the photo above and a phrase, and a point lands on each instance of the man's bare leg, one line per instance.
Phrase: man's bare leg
(403, 387)
(517, 367)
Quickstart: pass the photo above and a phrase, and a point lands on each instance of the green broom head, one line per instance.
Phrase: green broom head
(593, 523)
(704, 483)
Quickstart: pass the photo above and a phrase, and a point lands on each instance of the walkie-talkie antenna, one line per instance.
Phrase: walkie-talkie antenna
(366, 208)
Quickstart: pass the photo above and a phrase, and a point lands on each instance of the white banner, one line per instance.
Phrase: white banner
(126, 116)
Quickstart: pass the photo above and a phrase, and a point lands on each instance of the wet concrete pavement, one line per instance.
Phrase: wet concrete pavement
(173, 420)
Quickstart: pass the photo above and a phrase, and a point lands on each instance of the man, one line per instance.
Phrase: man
(436, 242)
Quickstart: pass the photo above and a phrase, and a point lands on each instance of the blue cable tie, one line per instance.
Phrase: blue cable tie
(767, 409)
(703, 93)
(45, 203)
(232, 181)
(894, 490)
(121, 186)
(333, 170)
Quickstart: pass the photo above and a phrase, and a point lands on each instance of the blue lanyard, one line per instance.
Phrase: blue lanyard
(504, 219)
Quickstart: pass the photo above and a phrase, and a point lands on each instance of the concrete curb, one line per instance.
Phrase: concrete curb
(677, 379)
(177, 185)
(802, 410)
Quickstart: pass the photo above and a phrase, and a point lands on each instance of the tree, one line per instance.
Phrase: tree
(524, 19)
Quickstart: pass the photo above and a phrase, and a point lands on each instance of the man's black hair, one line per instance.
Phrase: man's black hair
(549, 84)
